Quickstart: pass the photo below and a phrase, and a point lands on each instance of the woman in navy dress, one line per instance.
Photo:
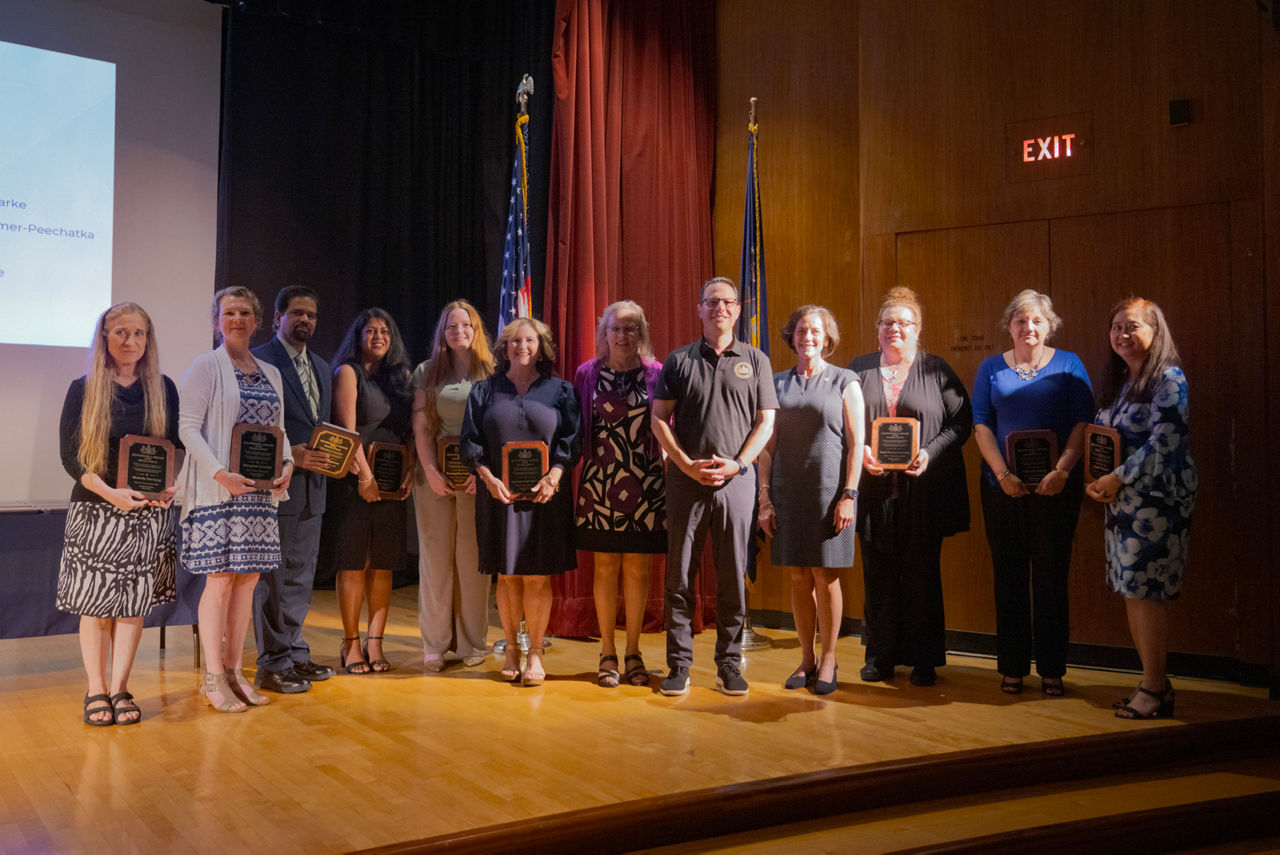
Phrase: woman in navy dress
(809, 487)
(1150, 496)
(523, 540)
(1030, 526)
(119, 555)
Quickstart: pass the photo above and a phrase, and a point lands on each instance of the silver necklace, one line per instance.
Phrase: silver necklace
(1028, 373)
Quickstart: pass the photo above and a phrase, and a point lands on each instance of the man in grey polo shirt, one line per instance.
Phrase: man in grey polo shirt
(721, 394)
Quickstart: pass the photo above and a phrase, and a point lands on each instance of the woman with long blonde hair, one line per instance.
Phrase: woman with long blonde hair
(118, 559)
(451, 625)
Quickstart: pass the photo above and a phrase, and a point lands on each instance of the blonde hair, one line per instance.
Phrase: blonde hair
(244, 294)
(438, 364)
(1027, 301)
(546, 363)
(100, 391)
(623, 307)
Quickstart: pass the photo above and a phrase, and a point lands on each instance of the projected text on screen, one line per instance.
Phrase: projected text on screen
(57, 168)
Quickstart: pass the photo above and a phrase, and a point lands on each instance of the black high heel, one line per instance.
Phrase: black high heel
(1124, 702)
(826, 687)
(360, 666)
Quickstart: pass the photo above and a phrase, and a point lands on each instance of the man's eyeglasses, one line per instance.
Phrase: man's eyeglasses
(716, 302)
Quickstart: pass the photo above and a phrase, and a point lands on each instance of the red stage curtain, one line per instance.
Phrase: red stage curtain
(629, 208)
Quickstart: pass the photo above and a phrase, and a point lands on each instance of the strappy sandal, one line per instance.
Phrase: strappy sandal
(511, 673)
(101, 704)
(379, 665)
(1163, 710)
(1011, 685)
(244, 690)
(1052, 687)
(1124, 702)
(360, 666)
(637, 673)
(211, 684)
(608, 677)
(122, 705)
(526, 679)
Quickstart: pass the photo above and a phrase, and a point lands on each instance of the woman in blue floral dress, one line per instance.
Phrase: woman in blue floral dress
(1150, 496)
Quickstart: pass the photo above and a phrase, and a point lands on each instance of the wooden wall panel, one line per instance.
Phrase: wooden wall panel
(1181, 258)
(965, 277)
(1269, 105)
(802, 66)
(939, 80)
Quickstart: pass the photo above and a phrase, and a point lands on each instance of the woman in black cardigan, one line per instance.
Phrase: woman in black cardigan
(904, 515)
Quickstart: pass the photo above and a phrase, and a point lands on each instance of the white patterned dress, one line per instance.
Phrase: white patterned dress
(242, 534)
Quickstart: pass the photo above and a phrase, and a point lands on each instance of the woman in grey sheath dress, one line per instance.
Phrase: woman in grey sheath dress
(809, 487)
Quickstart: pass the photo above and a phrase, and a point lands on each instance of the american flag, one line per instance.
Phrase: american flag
(515, 298)
(753, 323)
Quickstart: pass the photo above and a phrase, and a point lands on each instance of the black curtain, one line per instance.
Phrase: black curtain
(367, 149)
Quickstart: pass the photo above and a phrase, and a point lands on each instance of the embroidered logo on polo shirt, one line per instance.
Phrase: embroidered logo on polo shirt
(742, 369)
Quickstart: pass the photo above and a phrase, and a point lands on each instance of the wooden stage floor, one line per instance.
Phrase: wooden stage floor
(372, 760)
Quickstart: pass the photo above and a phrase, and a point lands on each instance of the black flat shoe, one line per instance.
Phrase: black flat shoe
(826, 687)
(872, 674)
(923, 675)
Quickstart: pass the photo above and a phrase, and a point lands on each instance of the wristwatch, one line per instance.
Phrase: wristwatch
(742, 467)
(851, 493)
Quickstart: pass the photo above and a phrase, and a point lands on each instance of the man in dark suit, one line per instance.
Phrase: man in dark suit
(282, 599)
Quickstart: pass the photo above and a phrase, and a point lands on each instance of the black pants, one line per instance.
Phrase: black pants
(903, 622)
(1030, 540)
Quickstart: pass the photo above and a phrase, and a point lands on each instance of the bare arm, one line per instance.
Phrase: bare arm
(990, 449)
(660, 422)
(344, 415)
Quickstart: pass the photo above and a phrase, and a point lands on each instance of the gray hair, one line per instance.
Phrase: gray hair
(623, 307)
(1031, 300)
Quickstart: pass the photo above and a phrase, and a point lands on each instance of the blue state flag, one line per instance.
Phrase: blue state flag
(753, 323)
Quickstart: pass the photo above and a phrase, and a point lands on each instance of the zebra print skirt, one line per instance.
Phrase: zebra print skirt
(117, 564)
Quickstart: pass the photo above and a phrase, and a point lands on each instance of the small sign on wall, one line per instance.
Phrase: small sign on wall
(1056, 147)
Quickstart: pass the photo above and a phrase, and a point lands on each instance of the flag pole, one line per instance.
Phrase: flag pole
(752, 640)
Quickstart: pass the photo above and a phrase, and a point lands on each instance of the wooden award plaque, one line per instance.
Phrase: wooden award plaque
(257, 453)
(895, 441)
(1102, 451)
(146, 465)
(449, 461)
(1031, 454)
(391, 463)
(523, 465)
(339, 443)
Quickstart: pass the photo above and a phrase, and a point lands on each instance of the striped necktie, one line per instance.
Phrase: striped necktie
(308, 383)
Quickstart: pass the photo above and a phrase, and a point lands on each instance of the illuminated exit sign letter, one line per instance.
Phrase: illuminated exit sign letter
(1047, 148)
(1054, 147)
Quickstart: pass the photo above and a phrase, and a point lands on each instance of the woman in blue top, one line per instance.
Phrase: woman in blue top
(1149, 497)
(1030, 526)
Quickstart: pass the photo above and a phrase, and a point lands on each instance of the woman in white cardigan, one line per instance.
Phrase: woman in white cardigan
(230, 532)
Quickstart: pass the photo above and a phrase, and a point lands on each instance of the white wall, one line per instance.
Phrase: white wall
(168, 67)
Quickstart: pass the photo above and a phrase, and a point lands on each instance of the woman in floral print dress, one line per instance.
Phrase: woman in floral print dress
(1150, 496)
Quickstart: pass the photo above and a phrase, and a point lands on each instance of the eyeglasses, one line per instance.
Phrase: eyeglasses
(888, 325)
(716, 302)
(627, 331)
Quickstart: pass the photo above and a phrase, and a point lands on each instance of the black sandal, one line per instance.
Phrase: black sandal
(637, 673)
(1052, 687)
(1163, 710)
(608, 677)
(360, 663)
(379, 665)
(1011, 685)
(122, 704)
(102, 704)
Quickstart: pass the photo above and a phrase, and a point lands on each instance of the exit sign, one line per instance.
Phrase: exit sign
(1055, 147)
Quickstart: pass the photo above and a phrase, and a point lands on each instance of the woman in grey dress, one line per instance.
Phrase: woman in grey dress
(809, 487)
